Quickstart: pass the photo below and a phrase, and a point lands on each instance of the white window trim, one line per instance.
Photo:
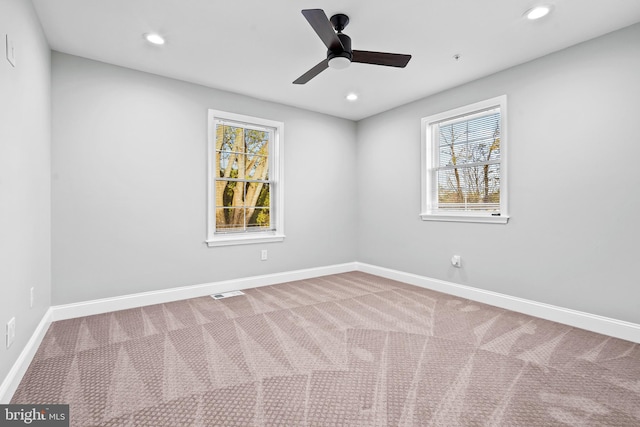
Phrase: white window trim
(427, 213)
(276, 173)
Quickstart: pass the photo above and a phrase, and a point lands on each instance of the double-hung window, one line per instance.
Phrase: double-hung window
(245, 191)
(464, 169)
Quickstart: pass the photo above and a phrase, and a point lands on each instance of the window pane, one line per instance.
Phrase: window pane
(233, 194)
(257, 167)
(257, 194)
(229, 138)
(244, 204)
(259, 218)
(256, 142)
(239, 219)
(257, 148)
(230, 165)
(469, 188)
(230, 219)
(223, 159)
(230, 162)
(469, 141)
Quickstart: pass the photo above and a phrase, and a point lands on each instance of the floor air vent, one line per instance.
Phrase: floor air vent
(229, 294)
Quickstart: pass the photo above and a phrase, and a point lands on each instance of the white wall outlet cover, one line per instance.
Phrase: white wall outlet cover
(11, 50)
(456, 261)
(11, 331)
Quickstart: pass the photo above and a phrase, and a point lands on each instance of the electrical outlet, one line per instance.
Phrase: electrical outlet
(456, 261)
(263, 255)
(31, 296)
(11, 331)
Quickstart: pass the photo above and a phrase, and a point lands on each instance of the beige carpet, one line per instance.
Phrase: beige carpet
(344, 350)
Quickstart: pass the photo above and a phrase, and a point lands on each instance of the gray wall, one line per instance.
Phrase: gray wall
(25, 134)
(574, 179)
(129, 185)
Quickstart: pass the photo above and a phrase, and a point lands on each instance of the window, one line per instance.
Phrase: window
(464, 163)
(245, 180)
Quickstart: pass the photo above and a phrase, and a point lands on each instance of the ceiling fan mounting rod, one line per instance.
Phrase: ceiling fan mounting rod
(339, 21)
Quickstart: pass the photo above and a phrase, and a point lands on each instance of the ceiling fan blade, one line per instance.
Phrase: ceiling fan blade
(381, 58)
(312, 73)
(321, 25)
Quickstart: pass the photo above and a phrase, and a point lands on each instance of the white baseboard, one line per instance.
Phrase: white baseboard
(12, 380)
(579, 319)
(105, 305)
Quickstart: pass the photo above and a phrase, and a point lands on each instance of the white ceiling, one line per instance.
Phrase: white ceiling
(258, 47)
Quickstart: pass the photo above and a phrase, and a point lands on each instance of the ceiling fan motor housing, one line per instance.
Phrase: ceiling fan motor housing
(345, 52)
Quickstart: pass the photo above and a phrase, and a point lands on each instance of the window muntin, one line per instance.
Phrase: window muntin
(245, 179)
(464, 167)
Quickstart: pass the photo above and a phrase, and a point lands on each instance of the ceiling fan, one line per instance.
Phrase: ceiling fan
(340, 54)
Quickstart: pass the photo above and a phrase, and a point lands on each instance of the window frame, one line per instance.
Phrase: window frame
(429, 157)
(276, 184)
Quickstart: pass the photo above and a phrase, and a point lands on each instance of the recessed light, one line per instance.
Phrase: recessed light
(537, 12)
(154, 38)
(352, 97)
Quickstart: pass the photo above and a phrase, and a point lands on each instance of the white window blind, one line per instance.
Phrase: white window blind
(468, 162)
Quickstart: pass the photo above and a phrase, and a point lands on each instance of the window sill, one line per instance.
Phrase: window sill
(461, 217)
(243, 239)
